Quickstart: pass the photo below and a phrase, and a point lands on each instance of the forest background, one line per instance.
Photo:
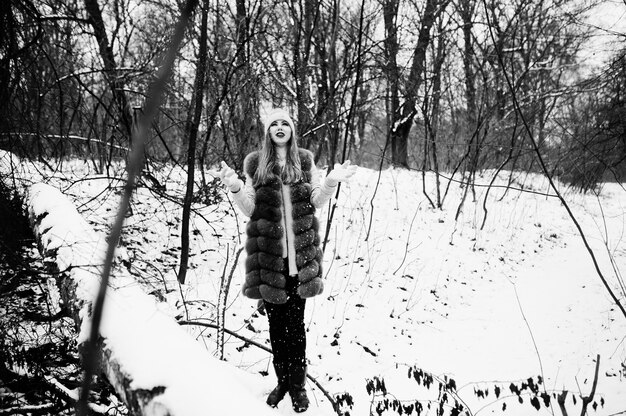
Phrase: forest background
(454, 86)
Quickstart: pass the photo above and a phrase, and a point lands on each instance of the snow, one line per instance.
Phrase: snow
(517, 299)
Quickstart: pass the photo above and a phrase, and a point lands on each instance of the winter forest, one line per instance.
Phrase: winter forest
(471, 266)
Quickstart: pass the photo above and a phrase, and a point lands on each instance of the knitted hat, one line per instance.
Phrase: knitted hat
(278, 114)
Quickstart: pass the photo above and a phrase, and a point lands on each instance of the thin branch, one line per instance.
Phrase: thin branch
(408, 237)
(502, 165)
(221, 304)
(63, 137)
(28, 409)
(380, 171)
(264, 348)
(532, 336)
(57, 17)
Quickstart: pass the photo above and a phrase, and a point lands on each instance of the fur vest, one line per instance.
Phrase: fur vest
(266, 270)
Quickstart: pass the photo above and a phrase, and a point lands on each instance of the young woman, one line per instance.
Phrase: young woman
(283, 264)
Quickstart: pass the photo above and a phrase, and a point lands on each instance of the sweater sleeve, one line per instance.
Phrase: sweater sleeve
(244, 198)
(320, 192)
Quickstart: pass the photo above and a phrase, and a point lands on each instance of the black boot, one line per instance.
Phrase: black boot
(283, 385)
(297, 381)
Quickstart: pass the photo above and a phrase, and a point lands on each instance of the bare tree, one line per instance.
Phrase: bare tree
(402, 113)
(110, 67)
(327, 75)
(245, 111)
(431, 109)
(305, 15)
(192, 131)
(466, 11)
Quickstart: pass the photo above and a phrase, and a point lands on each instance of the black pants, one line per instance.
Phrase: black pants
(287, 332)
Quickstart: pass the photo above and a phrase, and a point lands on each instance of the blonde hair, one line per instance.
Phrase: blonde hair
(268, 161)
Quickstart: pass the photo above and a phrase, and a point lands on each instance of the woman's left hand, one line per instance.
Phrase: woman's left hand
(342, 172)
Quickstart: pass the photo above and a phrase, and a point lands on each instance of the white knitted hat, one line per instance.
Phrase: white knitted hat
(278, 114)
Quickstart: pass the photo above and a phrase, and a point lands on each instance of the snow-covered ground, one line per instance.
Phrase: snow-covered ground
(487, 307)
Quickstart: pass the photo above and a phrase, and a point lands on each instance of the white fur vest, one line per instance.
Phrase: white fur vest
(265, 268)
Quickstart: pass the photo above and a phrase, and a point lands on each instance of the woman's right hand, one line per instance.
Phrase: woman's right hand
(228, 176)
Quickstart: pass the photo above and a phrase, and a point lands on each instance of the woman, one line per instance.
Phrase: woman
(283, 265)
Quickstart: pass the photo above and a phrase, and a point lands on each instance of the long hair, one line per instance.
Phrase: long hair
(268, 162)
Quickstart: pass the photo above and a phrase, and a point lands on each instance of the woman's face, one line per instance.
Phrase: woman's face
(280, 132)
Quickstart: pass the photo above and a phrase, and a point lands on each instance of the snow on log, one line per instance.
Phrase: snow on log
(154, 365)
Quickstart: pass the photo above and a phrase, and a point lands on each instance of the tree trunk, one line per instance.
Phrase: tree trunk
(110, 67)
(433, 122)
(472, 129)
(402, 116)
(245, 110)
(390, 16)
(348, 142)
(192, 132)
(327, 113)
(305, 25)
(8, 48)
